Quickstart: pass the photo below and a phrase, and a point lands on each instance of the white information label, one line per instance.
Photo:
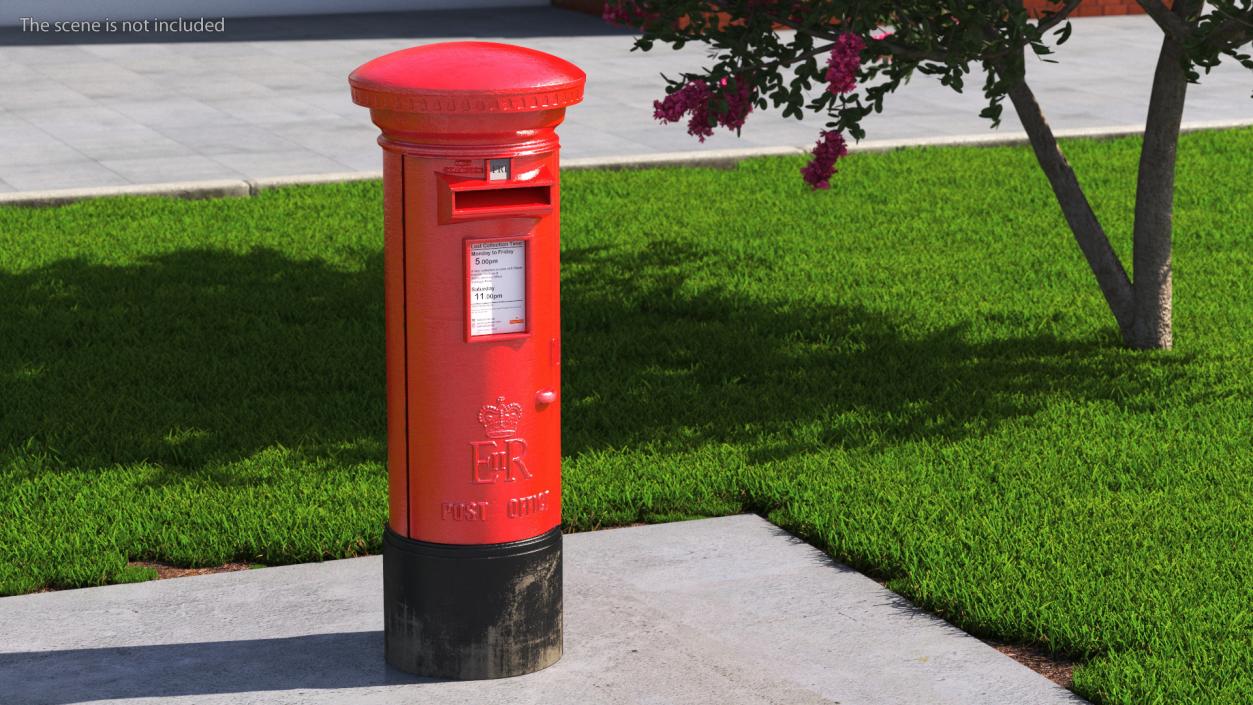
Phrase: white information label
(497, 287)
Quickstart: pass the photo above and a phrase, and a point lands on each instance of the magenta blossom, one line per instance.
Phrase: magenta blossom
(739, 103)
(830, 148)
(844, 62)
(694, 99)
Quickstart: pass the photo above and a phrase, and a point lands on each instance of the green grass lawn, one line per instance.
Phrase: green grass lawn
(914, 371)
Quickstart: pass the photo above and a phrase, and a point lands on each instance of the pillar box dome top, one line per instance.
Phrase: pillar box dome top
(467, 78)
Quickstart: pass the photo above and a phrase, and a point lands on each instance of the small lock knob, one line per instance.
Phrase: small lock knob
(544, 397)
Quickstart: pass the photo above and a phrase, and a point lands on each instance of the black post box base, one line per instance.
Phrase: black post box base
(472, 612)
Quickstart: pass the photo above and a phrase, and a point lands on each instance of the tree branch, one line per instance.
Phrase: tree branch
(780, 63)
(1155, 196)
(910, 53)
(826, 48)
(1170, 23)
(1047, 23)
(1087, 230)
(1233, 32)
(896, 49)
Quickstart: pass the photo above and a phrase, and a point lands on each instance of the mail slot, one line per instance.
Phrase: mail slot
(500, 201)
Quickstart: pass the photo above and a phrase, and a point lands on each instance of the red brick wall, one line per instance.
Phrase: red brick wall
(1089, 8)
(1086, 9)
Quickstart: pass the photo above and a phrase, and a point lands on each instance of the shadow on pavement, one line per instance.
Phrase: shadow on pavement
(319, 661)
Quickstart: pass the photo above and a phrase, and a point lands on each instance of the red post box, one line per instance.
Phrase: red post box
(471, 188)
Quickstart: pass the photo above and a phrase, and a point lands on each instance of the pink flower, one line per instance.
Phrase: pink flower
(739, 103)
(694, 99)
(830, 148)
(844, 62)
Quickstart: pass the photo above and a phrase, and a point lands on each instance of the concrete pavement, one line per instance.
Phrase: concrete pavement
(728, 610)
(269, 97)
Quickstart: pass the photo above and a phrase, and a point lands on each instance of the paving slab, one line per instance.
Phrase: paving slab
(709, 612)
(280, 82)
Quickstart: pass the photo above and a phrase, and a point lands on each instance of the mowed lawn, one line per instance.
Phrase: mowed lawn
(914, 371)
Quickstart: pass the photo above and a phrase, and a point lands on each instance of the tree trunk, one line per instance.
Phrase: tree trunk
(1087, 230)
(1155, 197)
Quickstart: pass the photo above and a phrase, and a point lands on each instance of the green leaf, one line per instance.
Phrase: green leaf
(1063, 33)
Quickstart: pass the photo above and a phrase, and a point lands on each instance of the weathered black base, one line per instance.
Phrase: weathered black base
(471, 612)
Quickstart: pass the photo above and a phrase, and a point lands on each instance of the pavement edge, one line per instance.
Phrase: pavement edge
(713, 158)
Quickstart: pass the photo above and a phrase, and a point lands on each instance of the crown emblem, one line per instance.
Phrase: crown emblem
(500, 420)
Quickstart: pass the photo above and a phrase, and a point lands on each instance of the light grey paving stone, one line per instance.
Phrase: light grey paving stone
(269, 109)
(167, 111)
(9, 120)
(336, 138)
(1200, 107)
(714, 158)
(297, 52)
(719, 611)
(358, 160)
(78, 119)
(96, 89)
(274, 73)
(155, 170)
(674, 137)
(336, 63)
(128, 142)
(60, 175)
(173, 60)
(90, 70)
(280, 163)
(299, 80)
(337, 103)
(229, 139)
(227, 51)
(211, 86)
(26, 145)
(40, 95)
(586, 141)
(137, 52)
(49, 54)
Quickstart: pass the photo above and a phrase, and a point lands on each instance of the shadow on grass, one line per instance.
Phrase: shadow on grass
(654, 357)
(191, 359)
(200, 357)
